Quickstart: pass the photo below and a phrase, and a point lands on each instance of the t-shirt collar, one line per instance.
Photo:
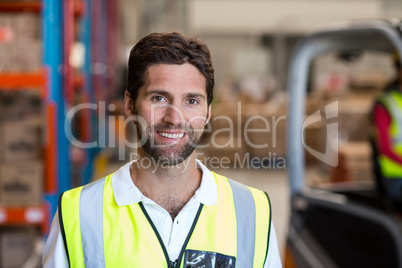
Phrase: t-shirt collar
(126, 193)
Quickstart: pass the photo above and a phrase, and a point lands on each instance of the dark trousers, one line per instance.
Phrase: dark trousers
(393, 190)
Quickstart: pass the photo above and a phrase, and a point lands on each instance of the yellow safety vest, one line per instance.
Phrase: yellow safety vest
(392, 100)
(99, 233)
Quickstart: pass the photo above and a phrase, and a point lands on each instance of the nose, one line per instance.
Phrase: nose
(173, 116)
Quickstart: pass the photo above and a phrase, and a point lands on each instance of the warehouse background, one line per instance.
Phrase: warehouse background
(55, 55)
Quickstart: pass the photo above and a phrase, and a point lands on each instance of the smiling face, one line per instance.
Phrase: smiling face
(173, 110)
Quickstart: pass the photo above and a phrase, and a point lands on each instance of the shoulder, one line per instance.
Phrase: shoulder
(72, 200)
(242, 191)
(93, 187)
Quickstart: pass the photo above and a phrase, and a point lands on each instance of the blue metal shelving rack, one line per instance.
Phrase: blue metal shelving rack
(52, 32)
(94, 36)
(86, 38)
(56, 84)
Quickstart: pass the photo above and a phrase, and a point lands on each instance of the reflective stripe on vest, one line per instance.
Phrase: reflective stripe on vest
(392, 101)
(245, 217)
(99, 233)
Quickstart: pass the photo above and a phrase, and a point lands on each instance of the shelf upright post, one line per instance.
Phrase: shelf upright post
(90, 120)
(104, 21)
(68, 41)
(112, 39)
(52, 25)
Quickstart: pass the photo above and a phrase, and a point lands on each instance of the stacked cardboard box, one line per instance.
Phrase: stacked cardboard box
(241, 132)
(357, 160)
(354, 117)
(20, 140)
(222, 138)
(21, 157)
(265, 131)
(20, 42)
(17, 244)
(21, 183)
(21, 168)
(314, 138)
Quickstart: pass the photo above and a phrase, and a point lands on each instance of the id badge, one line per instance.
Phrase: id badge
(206, 259)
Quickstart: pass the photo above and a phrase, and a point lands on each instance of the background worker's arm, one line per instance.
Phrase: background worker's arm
(382, 121)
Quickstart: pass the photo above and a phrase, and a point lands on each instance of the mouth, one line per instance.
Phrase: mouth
(175, 136)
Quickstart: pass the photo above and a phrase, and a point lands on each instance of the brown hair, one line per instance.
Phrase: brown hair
(168, 48)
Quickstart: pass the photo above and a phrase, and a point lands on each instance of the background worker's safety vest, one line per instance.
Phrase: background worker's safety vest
(99, 233)
(392, 100)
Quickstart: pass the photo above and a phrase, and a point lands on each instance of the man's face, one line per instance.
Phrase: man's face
(172, 109)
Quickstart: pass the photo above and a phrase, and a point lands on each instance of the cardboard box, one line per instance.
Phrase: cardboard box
(264, 134)
(23, 61)
(315, 138)
(20, 141)
(27, 26)
(358, 160)
(21, 183)
(16, 246)
(226, 118)
(368, 80)
(354, 117)
(10, 108)
(221, 148)
(20, 105)
(20, 33)
(4, 57)
(6, 28)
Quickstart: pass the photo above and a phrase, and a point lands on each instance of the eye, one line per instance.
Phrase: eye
(192, 101)
(158, 98)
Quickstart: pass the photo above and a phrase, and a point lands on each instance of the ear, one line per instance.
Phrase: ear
(208, 115)
(128, 104)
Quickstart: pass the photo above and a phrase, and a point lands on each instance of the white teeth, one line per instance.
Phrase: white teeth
(172, 136)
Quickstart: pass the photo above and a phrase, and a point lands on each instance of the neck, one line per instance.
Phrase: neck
(171, 187)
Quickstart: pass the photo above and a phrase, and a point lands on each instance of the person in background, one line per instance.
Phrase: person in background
(165, 209)
(387, 122)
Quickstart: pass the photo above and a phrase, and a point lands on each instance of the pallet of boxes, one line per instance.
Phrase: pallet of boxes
(246, 133)
(21, 156)
(222, 145)
(264, 134)
(348, 111)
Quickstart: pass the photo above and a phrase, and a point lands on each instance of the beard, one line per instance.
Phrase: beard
(168, 154)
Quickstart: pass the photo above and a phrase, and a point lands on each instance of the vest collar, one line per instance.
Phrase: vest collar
(126, 193)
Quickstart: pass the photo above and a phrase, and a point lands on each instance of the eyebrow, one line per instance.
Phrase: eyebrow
(195, 95)
(157, 91)
(165, 93)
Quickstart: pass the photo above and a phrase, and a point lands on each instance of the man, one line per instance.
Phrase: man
(171, 211)
(387, 119)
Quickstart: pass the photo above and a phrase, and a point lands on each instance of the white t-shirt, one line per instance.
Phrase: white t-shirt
(172, 233)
